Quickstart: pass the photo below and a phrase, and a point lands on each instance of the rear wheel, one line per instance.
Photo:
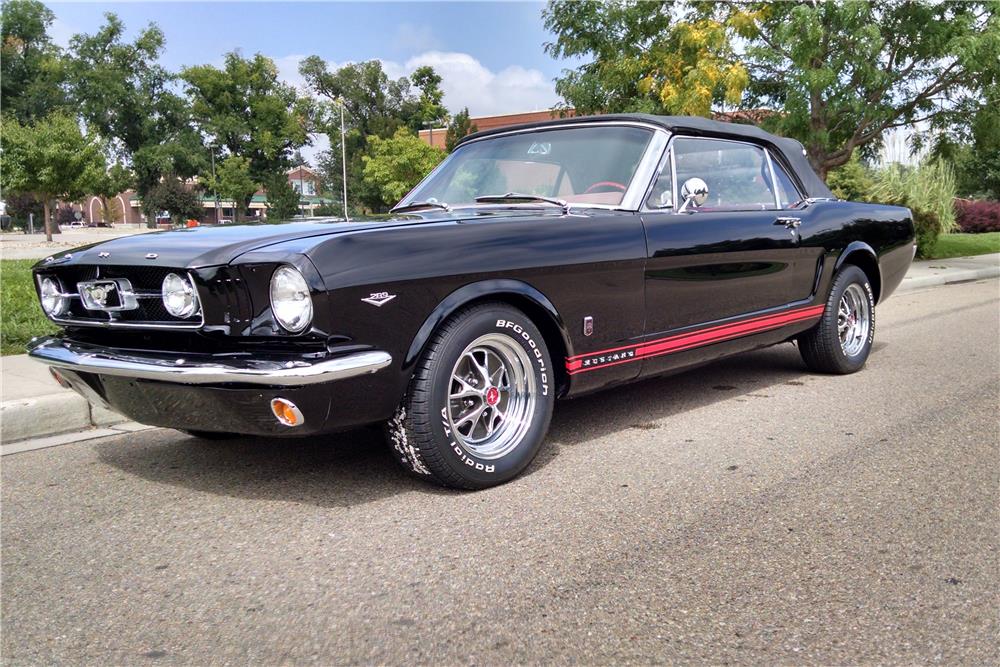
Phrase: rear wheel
(479, 404)
(842, 340)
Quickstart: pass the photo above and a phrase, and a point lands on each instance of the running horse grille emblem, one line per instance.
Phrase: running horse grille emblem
(108, 295)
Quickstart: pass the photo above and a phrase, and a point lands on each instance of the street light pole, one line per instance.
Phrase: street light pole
(343, 156)
(215, 186)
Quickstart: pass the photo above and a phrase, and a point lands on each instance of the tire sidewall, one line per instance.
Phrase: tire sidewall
(519, 329)
(851, 275)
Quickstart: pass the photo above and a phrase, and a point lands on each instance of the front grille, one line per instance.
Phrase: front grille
(146, 281)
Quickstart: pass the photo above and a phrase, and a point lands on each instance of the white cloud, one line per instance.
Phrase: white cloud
(288, 71)
(468, 83)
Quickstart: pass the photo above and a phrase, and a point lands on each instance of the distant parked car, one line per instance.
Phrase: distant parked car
(76, 224)
(536, 262)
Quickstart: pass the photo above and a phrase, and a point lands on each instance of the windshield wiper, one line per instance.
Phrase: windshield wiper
(417, 205)
(521, 197)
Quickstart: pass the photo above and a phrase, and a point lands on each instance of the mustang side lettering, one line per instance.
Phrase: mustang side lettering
(536, 262)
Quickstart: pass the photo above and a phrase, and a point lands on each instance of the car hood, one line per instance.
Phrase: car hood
(204, 246)
(216, 245)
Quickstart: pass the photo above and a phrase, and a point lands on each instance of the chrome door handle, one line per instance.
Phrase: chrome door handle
(790, 223)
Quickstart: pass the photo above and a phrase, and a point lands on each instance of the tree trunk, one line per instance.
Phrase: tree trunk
(48, 219)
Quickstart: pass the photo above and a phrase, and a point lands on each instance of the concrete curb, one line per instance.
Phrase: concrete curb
(948, 277)
(51, 414)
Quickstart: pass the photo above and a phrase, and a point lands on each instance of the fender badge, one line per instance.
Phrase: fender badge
(379, 299)
(104, 255)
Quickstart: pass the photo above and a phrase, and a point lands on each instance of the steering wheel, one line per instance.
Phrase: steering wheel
(605, 184)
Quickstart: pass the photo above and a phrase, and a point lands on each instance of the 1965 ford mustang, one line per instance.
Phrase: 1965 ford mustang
(537, 262)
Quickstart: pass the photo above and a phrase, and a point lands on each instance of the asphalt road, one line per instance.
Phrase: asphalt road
(747, 512)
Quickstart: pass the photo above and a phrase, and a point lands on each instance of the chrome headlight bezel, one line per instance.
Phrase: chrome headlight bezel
(291, 299)
(180, 298)
(51, 296)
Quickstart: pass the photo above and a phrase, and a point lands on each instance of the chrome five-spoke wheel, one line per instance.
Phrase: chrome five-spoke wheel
(490, 402)
(853, 319)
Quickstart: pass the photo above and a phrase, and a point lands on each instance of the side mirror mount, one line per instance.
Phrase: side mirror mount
(694, 191)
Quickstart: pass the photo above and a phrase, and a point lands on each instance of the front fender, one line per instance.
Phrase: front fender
(501, 288)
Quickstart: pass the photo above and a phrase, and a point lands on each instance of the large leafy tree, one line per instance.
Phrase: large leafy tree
(842, 74)
(32, 69)
(233, 180)
(249, 113)
(430, 111)
(837, 75)
(126, 96)
(652, 57)
(460, 126)
(395, 165)
(374, 105)
(51, 159)
(180, 202)
(282, 199)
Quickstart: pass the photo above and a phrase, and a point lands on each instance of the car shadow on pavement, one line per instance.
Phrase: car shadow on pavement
(355, 467)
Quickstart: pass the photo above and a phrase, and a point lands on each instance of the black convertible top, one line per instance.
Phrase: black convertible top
(790, 150)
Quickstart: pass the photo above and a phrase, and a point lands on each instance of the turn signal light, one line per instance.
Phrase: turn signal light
(286, 412)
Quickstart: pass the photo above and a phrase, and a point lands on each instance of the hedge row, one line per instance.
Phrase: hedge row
(976, 217)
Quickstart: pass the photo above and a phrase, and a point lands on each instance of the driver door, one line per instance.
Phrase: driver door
(730, 257)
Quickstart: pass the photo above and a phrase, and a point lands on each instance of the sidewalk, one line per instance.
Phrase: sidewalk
(34, 406)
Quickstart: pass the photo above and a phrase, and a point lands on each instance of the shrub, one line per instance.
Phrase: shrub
(976, 217)
(928, 191)
(852, 182)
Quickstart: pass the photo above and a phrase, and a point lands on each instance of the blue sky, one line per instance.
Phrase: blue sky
(490, 55)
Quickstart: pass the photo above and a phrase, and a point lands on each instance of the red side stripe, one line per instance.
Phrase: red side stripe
(810, 309)
(681, 342)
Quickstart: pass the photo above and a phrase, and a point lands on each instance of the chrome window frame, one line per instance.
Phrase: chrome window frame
(791, 179)
(634, 195)
(673, 167)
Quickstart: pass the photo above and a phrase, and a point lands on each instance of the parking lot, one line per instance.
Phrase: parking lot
(744, 512)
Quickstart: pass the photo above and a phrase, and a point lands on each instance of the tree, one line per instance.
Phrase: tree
(126, 96)
(233, 181)
(844, 73)
(394, 166)
(460, 126)
(31, 66)
(113, 180)
(51, 159)
(374, 106)
(641, 59)
(246, 109)
(839, 73)
(171, 196)
(282, 199)
(430, 109)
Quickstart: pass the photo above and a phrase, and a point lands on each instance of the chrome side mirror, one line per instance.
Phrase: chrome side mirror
(694, 191)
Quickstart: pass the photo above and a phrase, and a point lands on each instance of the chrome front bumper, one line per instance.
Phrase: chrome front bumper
(81, 358)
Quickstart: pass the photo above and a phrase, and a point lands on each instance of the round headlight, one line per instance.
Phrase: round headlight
(290, 301)
(53, 301)
(179, 296)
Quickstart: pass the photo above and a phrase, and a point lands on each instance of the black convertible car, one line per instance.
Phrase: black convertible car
(536, 262)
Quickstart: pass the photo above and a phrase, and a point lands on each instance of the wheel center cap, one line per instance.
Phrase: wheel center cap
(492, 396)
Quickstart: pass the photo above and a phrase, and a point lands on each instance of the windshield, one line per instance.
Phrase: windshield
(579, 165)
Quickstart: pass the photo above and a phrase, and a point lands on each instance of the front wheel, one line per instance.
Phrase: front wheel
(842, 340)
(479, 404)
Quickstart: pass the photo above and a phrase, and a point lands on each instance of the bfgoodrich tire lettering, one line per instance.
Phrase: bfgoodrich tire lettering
(842, 340)
(480, 401)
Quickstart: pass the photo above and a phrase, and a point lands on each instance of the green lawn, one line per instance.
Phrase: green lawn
(20, 315)
(965, 245)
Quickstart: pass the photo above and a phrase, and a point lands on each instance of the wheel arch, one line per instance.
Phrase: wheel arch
(518, 294)
(861, 255)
